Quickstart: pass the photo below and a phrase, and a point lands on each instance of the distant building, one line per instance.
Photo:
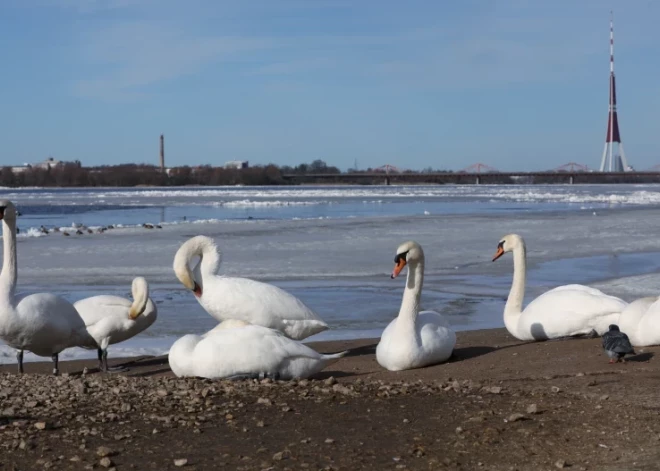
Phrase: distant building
(21, 168)
(239, 164)
(50, 162)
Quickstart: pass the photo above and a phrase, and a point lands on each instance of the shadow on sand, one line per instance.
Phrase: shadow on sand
(640, 357)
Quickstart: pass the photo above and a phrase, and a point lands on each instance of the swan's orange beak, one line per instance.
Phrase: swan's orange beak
(499, 253)
(197, 290)
(398, 267)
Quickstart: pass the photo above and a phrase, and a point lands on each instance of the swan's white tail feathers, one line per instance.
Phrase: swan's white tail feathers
(301, 329)
(336, 356)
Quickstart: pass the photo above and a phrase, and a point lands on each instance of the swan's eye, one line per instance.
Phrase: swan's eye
(400, 256)
(500, 245)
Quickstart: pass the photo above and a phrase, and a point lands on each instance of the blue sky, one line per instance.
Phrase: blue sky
(515, 84)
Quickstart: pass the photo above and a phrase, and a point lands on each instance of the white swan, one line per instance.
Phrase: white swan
(112, 319)
(226, 297)
(564, 311)
(238, 350)
(640, 320)
(42, 323)
(414, 339)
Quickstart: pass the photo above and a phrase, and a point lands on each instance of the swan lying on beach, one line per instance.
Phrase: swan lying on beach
(42, 323)
(414, 339)
(236, 349)
(225, 297)
(641, 321)
(564, 311)
(112, 319)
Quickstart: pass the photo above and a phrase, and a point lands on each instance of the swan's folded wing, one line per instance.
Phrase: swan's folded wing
(98, 308)
(254, 296)
(578, 299)
(251, 349)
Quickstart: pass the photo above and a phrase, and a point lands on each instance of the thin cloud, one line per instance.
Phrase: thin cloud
(135, 55)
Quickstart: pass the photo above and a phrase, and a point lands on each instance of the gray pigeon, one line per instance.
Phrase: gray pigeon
(617, 344)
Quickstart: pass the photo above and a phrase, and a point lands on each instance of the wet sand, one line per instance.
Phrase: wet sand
(499, 404)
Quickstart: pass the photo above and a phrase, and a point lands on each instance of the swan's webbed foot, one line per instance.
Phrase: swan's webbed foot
(103, 364)
(19, 360)
(259, 376)
(115, 369)
(56, 363)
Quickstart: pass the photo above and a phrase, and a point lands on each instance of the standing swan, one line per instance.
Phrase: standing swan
(42, 323)
(564, 311)
(112, 319)
(414, 339)
(237, 350)
(226, 297)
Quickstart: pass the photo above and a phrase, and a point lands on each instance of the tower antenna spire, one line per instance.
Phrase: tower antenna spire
(611, 42)
(611, 162)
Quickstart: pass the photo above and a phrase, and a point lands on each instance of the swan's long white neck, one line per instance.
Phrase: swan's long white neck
(140, 291)
(411, 296)
(513, 308)
(210, 259)
(209, 263)
(8, 275)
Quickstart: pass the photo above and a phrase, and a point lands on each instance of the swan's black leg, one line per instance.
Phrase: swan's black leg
(19, 359)
(99, 353)
(56, 363)
(111, 369)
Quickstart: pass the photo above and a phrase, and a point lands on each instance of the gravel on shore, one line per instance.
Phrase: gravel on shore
(499, 404)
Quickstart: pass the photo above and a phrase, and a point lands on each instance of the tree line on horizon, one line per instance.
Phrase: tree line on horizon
(72, 174)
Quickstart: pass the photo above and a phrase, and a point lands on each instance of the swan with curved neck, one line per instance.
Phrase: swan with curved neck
(225, 297)
(42, 323)
(641, 321)
(414, 339)
(113, 319)
(565, 311)
(236, 349)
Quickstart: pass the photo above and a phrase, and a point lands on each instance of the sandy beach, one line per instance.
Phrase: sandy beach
(499, 404)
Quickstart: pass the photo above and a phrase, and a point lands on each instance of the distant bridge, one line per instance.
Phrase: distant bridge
(569, 175)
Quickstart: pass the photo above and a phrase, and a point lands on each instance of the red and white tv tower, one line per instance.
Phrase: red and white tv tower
(613, 161)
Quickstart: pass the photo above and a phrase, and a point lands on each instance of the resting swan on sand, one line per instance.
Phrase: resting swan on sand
(112, 319)
(641, 321)
(42, 323)
(414, 339)
(225, 297)
(564, 311)
(236, 349)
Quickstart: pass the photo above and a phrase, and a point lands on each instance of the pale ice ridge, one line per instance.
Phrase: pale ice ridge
(313, 248)
(250, 203)
(609, 194)
(632, 287)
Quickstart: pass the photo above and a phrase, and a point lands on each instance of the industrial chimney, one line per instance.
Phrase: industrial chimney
(162, 153)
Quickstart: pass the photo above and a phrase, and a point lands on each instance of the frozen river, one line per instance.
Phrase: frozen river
(334, 246)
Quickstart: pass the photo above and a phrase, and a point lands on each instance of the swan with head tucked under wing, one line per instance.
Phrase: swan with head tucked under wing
(414, 339)
(225, 297)
(113, 319)
(41, 323)
(236, 349)
(641, 321)
(565, 311)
